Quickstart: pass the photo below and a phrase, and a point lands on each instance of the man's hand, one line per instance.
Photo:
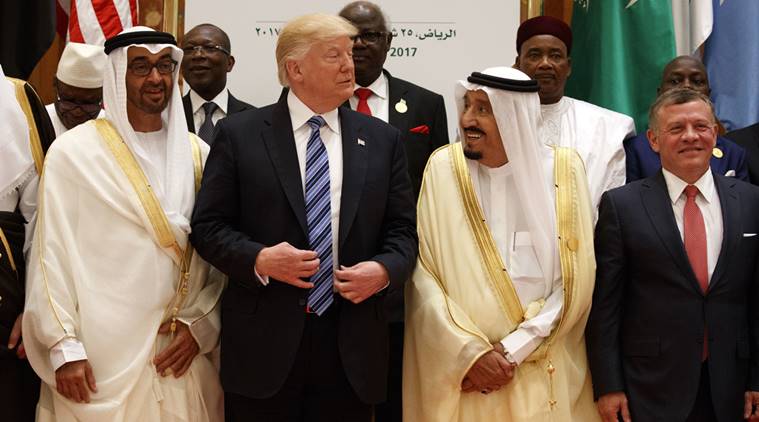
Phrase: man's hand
(751, 406)
(361, 281)
(288, 264)
(74, 380)
(611, 405)
(178, 355)
(489, 373)
(16, 336)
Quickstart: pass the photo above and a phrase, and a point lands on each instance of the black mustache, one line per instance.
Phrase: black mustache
(474, 129)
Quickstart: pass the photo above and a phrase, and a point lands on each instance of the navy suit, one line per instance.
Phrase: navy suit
(643, 162)
(646, 327)
(252, 197)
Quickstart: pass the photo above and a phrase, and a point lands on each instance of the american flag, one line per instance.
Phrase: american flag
(93, 21)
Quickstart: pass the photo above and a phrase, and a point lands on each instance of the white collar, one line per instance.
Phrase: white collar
(221, 100)
(676, 185)
(558, 107)
(378, 87)
(300, 113)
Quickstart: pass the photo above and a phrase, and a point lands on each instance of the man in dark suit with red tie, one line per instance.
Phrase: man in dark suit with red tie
(420, 116)
(207, 60)
(673, 333)
(307, 206)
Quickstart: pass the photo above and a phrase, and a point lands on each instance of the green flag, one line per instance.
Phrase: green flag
(619, 50)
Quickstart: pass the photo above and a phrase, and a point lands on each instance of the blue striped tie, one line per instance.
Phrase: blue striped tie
(319, 217)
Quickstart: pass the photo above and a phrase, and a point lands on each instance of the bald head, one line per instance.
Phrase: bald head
(373, 42)
(685, 72)
(363, 11)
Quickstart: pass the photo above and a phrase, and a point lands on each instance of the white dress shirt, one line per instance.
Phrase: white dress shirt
(199, 115)
(333, 142)
(379, 101)
(707, 201)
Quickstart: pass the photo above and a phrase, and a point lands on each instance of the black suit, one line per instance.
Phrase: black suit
(252, 197)
(646, 327)
(748, 138)
(233, 106)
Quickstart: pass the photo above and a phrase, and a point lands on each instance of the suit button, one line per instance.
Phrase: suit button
(302, 302)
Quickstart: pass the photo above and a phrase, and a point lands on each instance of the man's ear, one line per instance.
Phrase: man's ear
(230, 63)
(569, 63)
(653, 140)
(516, 62)
(293, 71)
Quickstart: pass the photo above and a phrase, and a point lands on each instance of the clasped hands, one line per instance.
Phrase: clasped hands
(291, 265)
(491, 372)
(75, 380)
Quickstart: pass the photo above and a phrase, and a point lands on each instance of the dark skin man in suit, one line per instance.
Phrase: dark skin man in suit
(409, 107)
(656, 300)
(207, 61)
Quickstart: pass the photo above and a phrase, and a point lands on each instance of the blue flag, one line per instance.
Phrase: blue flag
(731, 56)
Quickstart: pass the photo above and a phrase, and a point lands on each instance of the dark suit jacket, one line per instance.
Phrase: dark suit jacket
(646, 327)
(425, 108)
(748, 138)
(233, 106)
(643, 162)
(252, 197)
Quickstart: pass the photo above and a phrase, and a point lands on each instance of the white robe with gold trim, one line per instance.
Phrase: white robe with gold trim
(98, 273)
(460, 301)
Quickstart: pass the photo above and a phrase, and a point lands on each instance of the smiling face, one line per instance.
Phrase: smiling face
(205, 69)
(684, 135)
(482, 139)
(323, 78)
(148, 94)
(544, 58)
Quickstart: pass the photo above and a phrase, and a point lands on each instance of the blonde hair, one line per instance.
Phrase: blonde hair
(300, 34)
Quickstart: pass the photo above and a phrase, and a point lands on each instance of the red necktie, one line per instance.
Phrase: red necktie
(694, 238)
(363, 94)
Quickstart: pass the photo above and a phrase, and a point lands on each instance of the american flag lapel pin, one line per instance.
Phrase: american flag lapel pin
(361, 142)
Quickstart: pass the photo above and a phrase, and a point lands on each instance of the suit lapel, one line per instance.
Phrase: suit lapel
(187, 104)
(731, 226)
(396, 93)
(280, 143)
(354, 171)
(233, 104)
(658, 205)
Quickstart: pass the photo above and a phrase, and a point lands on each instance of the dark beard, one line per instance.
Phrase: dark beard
(472, 155)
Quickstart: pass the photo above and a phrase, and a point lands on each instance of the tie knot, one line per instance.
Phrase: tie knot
(691, 191)
(363, 93)
(210, 107)
(316, 122)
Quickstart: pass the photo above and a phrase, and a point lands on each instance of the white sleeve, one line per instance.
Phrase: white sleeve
(69, 349)
(521, 342)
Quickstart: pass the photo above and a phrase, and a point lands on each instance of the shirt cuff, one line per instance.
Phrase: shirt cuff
(69, 349)
(264, 280)
(520, 344)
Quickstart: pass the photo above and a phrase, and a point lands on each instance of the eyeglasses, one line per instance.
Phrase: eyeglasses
(66, 105)
(205, 49)
(144, 67)
(370, 37)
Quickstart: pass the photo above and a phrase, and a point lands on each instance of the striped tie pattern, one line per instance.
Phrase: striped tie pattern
(319, 217)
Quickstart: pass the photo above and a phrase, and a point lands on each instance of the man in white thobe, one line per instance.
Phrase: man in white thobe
(597, 134)
(120, 312)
